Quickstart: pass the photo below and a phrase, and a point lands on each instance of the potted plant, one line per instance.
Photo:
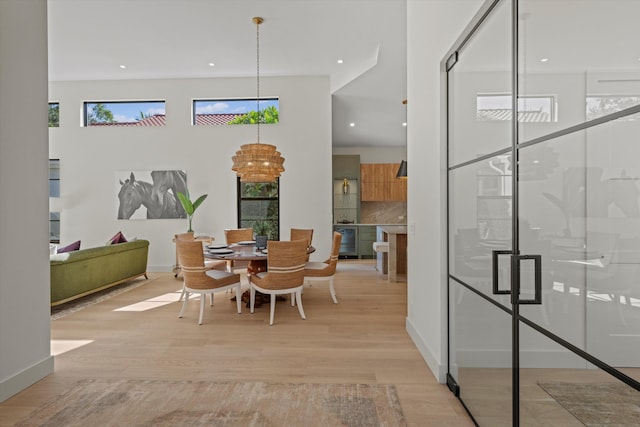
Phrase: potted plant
(262, 230)
(189, 206)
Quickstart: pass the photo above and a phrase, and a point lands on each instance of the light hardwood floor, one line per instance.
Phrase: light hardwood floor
(137, 334)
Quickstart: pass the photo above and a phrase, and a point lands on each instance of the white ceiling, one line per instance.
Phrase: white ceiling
(90, 39)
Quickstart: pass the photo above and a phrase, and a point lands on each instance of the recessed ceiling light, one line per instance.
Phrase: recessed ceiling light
(404, 124)
(352, 124)
(123, 66)
(544, 60)
(211, 64)
(340, 61)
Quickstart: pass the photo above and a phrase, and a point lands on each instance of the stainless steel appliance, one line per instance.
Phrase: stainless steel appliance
(349, 243)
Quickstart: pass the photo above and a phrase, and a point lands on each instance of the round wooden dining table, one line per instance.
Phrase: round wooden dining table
(257, 258)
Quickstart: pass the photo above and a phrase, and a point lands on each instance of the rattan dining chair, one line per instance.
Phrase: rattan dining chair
(238, 235)
(284, 275)
(197, 279)
(301, 233)
(189, 235)
(318, 271)
(234, 236)
(208, 264)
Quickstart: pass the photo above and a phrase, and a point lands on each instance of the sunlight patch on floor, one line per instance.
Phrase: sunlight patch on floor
(151, 303)
(62, 346)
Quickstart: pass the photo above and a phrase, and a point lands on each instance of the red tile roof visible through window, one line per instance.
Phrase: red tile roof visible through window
(505, 114)
(155, 120)
(215, 119)
(160, 120)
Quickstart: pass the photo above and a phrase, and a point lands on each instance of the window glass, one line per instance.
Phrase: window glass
(259, 202)
(54, 227)
(54, 193)
(54, 178)
(599, 106)
(125, 113)
(54, 114)
(235, 111)
(531, 108)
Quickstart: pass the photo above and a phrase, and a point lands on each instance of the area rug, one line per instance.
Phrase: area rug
(159, 403)
(597, 404)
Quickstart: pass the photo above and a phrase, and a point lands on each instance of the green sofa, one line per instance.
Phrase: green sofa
(79, 273)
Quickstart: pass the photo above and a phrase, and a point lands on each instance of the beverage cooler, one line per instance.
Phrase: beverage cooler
(349, 243)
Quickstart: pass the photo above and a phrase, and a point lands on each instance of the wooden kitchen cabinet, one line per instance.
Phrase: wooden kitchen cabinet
(379, 183)
(397, 188)
(372, 187)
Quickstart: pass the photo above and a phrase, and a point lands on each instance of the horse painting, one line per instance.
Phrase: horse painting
(160, 203)
(167, 184)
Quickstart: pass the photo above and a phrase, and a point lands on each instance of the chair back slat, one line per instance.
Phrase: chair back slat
(335, 247)
(185, 236)
(238, 235)
(302, 234)
(286, 261)
(281, 270)
(335, 254)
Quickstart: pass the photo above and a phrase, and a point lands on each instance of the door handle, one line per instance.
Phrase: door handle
(494, 272)
(537, 295)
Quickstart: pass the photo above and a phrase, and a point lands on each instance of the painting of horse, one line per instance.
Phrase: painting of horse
(152, 195)
(167, 184)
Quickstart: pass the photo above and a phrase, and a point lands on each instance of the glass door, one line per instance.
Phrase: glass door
(579, 205)
(544, 215)
(480, 220)
(579, 210)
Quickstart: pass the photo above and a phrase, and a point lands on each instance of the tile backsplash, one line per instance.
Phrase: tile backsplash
(383, 212)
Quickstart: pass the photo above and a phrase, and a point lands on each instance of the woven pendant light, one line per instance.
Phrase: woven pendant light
(258, 162)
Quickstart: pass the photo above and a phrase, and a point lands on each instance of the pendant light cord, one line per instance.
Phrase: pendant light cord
(258, 21)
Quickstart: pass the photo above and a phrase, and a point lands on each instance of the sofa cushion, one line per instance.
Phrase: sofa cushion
(117, 238)
(71, 247)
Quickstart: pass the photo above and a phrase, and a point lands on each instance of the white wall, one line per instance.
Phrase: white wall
(89, 157)
(432, 28)
(375, 154)
(24, 261)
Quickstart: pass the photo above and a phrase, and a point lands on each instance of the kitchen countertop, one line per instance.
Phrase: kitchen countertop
(394, 229)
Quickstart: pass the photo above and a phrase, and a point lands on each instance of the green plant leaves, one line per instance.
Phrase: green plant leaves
(190, 207)
(199, 201)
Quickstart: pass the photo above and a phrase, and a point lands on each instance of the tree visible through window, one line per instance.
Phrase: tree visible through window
(235, 111)
(125, 113)
(260, 202)
(54, 114)
(600, 106)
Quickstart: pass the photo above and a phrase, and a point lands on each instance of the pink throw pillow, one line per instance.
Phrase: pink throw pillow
(72, 247)
(118, 238)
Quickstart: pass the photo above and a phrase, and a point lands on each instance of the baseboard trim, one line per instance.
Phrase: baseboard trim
(15, 384)
(438, 370)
